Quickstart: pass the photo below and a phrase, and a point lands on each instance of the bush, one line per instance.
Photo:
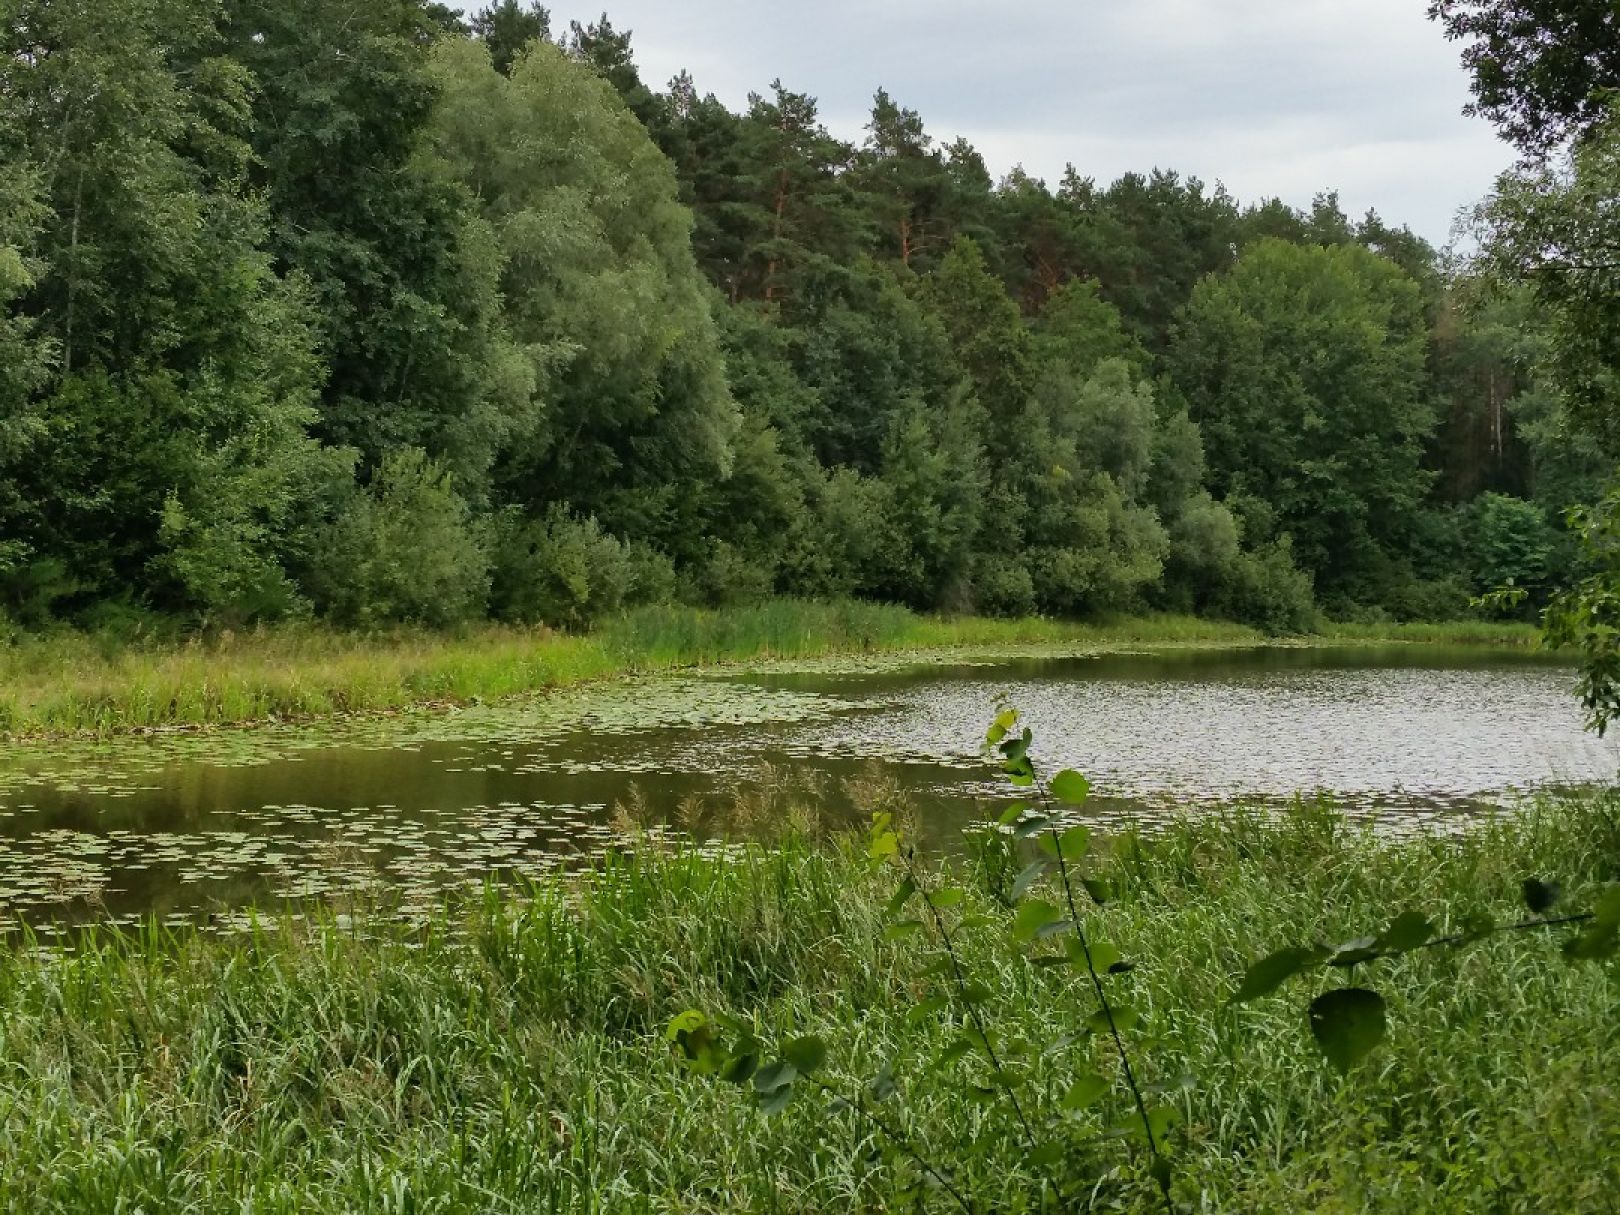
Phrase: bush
(566, 571)
(731, 576)
(1511, 543)
(1264, 587)
(1002, 586)
(406, 549)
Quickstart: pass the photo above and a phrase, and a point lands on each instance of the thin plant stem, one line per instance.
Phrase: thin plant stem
(959, 975)
(900, 1140)
(1103, 1003)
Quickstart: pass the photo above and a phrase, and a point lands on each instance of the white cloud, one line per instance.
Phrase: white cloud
(1272, 97)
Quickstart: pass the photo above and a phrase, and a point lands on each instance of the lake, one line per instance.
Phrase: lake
(195, 828)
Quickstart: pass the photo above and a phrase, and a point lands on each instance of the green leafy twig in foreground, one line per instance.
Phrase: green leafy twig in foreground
(1349, 1022)
(1067, 848)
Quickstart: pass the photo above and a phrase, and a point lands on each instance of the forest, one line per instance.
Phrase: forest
(364, 311)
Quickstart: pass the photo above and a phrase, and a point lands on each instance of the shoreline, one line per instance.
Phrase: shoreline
(70, 686)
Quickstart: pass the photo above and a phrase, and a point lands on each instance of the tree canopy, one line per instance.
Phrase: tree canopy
(348, 308)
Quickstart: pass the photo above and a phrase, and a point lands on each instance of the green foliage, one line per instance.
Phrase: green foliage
(406, 548)
(1513, 543)
(253, 251)
(999, 1062)
(995, 1052)
(507, 27)
(599, 291)
(1304, 368)
(569, 572)
(1542, 69)
(1585, 616)
(1553, 227)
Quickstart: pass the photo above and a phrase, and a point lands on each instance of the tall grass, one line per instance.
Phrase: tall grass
(72, 683)
(509, 1057)
(1453, 632)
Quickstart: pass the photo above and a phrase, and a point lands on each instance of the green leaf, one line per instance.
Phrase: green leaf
(901, 897)
(1125, 1020)
(931, 1007)
(1084, 1092)
(775, 1101)
(1353, 953)
(1031, 826)
(981, 1042)
(1005, 721)
(739, 1069)
(1070, 846)
(1273, 970)
(901, 929)
(1020, 771)
(974, 993)
(1069, 787)
(1539, 896)
(1347, 1023)
(1161, 1118)
(684, 1023)
(1104, 956)
(954, 1050)
(1031, 874)
(946, 896)
(1406, 931)
(1054, 929)
(1099, 889)
(1016, 749)
(773, 1076)
(806, 1054)
(883, 844)
(695, 1040)
(1032, 916)
(1045, 1156)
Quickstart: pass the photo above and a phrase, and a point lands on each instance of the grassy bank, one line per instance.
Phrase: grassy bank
(512, 1058)
(73, 683)
(1455, 632)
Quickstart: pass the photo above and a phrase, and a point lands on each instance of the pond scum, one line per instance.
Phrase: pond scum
(509, 1053)
(71, 683)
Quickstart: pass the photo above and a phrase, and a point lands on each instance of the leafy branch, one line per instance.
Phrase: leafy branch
(1349, 1022)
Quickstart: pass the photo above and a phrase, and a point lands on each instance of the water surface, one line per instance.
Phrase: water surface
(198, 827)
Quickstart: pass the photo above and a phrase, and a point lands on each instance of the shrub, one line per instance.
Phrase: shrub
(569, 572)
(405, 549)
(1511, 543)
(1002, 586)
(1264, 587)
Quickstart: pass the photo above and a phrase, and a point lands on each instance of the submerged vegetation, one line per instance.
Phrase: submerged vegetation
(511, 1054)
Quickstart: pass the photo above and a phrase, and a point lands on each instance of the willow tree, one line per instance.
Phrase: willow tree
(599, 291)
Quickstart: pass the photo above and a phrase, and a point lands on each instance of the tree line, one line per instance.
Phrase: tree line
(359, 309)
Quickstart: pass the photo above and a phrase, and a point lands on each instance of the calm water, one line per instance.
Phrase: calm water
(196, 827)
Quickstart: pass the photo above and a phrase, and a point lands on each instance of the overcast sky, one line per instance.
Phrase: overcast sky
(1271, 97)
